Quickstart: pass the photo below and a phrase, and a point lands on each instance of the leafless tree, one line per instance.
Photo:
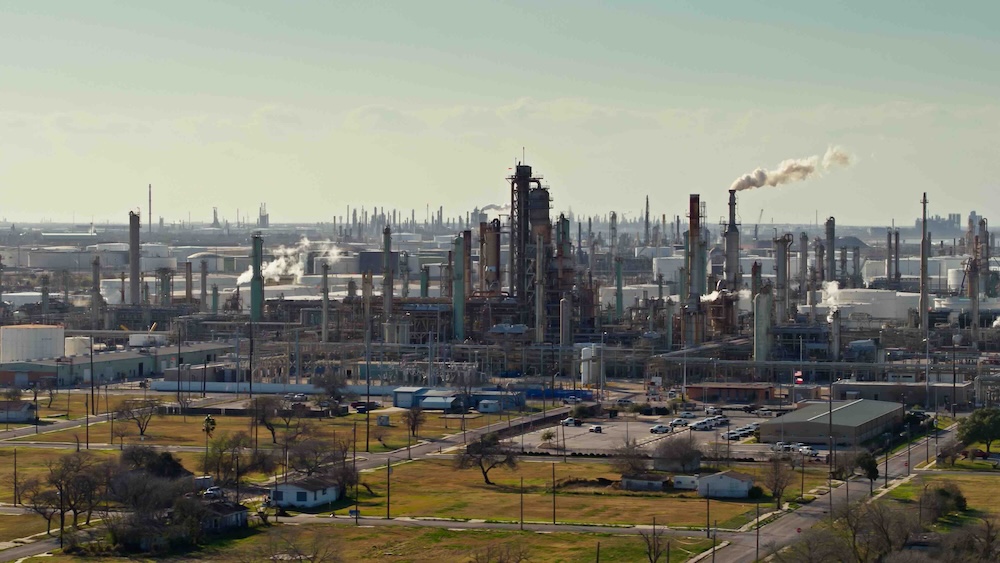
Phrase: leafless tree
(487, 453)
(677, 454)
(413, 419)
(950, 450)
(656, 548)
(817, 545)
(629, 459)
(501, 553)
(140, 411)
(778, 475)
(121, 432)
(51, 391)
(379, 433)
(312, 454)
(42, 501)
(264, 409)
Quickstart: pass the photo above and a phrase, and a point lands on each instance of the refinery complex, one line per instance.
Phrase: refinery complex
(516, 294)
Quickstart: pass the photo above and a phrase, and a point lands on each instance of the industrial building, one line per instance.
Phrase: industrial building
(853, 423)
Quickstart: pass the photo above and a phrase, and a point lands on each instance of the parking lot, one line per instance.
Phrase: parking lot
(615, 432)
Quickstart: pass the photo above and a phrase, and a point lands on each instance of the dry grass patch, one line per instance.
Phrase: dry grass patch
(433, 488)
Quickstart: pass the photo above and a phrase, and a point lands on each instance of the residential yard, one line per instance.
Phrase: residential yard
(979, 490)
(432, 488)
(31, 462)
(427, 545)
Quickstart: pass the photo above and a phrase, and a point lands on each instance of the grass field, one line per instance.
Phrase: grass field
(77, 402)
(433, 488)
(979, 490)
(428, 545)
(187, 431)
(13, 527)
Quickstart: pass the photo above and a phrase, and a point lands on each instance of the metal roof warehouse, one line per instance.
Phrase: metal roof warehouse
(854, 422)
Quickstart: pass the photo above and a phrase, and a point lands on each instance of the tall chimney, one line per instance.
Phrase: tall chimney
(732, 246)
(895, 260)
(804, 268)
(326, 302)
(188, 282)
(924, 296)
(831, 250)
(387, 271)
(204, 287)
(257, 281)
(133, 258)
(95, 293)
(889, 252)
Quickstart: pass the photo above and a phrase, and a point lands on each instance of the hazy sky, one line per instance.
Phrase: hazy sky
(313, 106)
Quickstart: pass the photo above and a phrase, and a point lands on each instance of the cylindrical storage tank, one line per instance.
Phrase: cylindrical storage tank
(25, 343)
(153, 263)
(155, 250)
(77, 345)
(591, 365)
(956, 278)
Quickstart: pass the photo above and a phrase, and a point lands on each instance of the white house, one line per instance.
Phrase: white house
(725, 484)
(686, 482)
(307, 492)
(16, 411)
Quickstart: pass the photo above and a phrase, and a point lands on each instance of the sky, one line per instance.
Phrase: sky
(314, 107)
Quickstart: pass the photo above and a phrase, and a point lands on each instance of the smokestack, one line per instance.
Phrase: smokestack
(95, 293)
(45, 295)
(458, 289)
(539, 291)
(326, 302)
(188, 282)
(149, 209)
(856, 266)
(133, 258)
(425, 281)
(924, 297)
(843, 266)
(732, 246)
(781, 245)
(804, 268)
(831, 249)
(204, 286)
(821, 261)
(387, 272)
(215, 299)
(467, 247)
(895, 260)
(888, 257)
(257, 281)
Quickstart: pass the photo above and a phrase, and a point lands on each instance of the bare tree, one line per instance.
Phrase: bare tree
(656, 548)
(413, 419)
(501, 553)
(778, 475)
(486, 454)
(950, 450)
(312, 454)
(264, 409)
(48, 385)
(121, 432)
(629, 459)
(42, 501)
(140, 411)
(677, 454)
(379, 433)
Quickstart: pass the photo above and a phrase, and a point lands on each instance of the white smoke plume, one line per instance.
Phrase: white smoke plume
(291, 260)
(710, 297)
(996, 323)
(793, 170)
(496, 207)
(831, 293)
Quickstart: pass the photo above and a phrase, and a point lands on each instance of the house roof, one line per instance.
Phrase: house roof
(647, 477)
(223, 508)
(409, 389)
(438, 402)
(15, 405)
(311, 483)
(735, 475)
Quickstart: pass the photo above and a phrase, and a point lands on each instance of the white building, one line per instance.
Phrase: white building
(725, 484)
(308, 492)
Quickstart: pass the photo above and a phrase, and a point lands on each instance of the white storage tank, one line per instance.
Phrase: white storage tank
(77, 346)
(591, 365)
(956, 279)
(24, 343)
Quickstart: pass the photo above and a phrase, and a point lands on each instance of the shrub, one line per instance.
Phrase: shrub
(755, 493)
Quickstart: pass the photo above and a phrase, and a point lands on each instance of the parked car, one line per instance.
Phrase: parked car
(214, 493)
(975, 452)
(778, 446)
(808, 451)
(596, 429)
(623, 402)
(571, 421)
(661, 429)
(713, 410)
(731, 435)
(688, 414)
(678, 422)
(571, 400)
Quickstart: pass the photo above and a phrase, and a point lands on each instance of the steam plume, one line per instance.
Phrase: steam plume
(291, 260)
(793, 170)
